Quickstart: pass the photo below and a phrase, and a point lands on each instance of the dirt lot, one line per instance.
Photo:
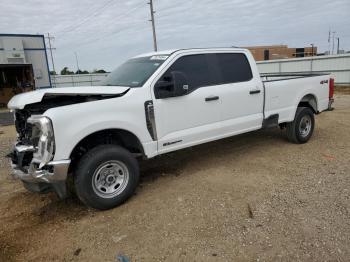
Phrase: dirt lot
(253, 197)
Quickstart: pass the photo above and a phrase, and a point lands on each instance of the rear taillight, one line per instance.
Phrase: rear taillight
(331, 88)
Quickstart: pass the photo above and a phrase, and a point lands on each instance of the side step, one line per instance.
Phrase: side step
(271, 121)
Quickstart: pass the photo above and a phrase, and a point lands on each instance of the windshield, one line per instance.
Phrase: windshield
(134, 72)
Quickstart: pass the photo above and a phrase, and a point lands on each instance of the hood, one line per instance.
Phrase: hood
(21, 100)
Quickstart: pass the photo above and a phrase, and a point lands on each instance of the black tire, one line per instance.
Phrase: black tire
(89, 169)
(295, 132)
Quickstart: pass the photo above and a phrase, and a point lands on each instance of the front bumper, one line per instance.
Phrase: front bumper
(54, 171)
(27, 170)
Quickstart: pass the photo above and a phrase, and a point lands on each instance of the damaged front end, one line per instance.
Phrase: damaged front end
(33, 154)
(31, 157)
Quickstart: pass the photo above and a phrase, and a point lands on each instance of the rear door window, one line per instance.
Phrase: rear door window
(233, 68)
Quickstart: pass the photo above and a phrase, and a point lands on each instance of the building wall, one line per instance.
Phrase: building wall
(26, 49)
(337, 65)
(280, 52)
(77, 80)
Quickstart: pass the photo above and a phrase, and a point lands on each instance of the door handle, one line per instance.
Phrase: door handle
(252, 92)
(211, 98)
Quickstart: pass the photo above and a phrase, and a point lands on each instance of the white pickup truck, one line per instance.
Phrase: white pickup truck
(153, 104)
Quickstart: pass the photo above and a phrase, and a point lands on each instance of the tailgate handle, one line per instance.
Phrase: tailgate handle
(211, 98)
(252, 92)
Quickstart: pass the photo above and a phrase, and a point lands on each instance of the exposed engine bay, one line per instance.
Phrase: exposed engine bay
(28, 133)
(51, 101)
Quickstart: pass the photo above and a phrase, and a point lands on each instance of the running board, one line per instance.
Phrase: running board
(271, 121)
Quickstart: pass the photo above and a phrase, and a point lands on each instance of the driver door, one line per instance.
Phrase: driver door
(192, 117)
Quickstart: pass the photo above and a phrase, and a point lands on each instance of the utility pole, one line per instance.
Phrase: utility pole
(153, 25)
(312, 49)
(337, 45)
(329, 41)
(49, 38)
(333, 42)
(76, 59)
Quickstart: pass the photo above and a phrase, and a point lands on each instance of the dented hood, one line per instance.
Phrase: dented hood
(21, 100)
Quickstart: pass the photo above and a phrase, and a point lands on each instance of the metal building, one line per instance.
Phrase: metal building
(23, 65)
(337, 65)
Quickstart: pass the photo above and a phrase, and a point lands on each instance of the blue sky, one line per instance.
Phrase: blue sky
(104, 33)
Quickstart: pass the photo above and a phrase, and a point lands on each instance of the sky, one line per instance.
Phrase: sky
(107, 32)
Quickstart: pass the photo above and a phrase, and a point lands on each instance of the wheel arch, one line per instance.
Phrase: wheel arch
(120, 137)
(309, 100)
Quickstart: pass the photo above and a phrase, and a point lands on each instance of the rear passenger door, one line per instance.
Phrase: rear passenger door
(241, 94)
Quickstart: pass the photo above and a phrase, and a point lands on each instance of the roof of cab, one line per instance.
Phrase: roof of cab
(171, 51)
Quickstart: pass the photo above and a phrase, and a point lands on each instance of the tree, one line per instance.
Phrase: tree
(53, 72)
(65, 71)
(99, 71)
(81, 72)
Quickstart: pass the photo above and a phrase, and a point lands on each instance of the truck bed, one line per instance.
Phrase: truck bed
(283, 91)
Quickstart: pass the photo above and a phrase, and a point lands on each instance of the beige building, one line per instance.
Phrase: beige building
(272, 52)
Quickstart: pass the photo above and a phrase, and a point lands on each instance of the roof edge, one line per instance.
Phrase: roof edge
(22, 35)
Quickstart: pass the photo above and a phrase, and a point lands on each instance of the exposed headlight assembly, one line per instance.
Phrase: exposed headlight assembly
(43, 139)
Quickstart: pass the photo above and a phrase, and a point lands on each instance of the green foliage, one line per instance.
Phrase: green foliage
(99, 71)
(65, 71)
(80, 72)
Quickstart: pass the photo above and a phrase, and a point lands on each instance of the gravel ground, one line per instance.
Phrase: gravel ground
(253, 197)
(6, 118)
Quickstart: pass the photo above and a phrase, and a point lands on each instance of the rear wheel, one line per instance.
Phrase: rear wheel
(106, 176)
(300, 130)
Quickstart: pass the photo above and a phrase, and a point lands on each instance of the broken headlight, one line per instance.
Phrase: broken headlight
(43, 139)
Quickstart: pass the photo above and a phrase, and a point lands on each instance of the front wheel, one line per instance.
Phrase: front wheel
(106, 176)
(300, 130)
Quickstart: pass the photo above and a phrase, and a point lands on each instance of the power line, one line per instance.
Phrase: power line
(104, 36)
(72, 28)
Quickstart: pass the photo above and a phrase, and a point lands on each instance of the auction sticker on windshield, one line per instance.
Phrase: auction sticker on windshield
(159, 57)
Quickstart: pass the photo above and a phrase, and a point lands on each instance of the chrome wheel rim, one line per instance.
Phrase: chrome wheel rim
(110, 179)
(305, 126)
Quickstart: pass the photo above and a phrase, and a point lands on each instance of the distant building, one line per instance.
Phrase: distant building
(23, 65)
(272, 52)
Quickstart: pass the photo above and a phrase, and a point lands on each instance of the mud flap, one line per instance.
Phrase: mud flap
(271, 121)
(60, 189)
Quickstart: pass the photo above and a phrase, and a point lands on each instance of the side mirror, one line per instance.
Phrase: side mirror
(172, 86)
